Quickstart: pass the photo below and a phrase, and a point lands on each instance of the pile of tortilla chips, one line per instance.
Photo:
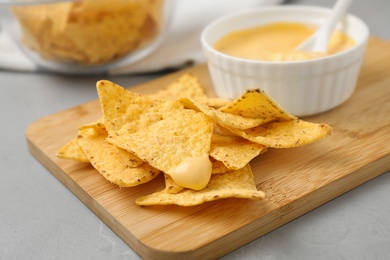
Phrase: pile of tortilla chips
(141, 136)
(89, 32)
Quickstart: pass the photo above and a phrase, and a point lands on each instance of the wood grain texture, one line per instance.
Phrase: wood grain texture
(295, 180)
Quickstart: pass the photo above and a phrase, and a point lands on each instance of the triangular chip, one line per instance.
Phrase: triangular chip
(171, 186)
(116, 165)
(166, 143)
(234, 184)
(285, 134)
(122, 107)
(188, 86)
(255, 103)
(234, 151)
(218, 166)
(279, 130)
(98, 124)
(72, 151)
(235, 121)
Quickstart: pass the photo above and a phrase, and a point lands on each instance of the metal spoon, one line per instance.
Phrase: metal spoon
(318, 42)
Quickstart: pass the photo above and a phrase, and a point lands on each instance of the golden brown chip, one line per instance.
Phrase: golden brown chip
(234, 151)
(234, 184)
(72, 151)
(97, 129)
(285, 134)
(122, 108)
(255, 103)
(42, 23)
(89, 37)
(235, 121)
(98, 124)
(275, 128)
(166, 143)
(188, 86)
(170, 185)
(218, 166)
(116, 165)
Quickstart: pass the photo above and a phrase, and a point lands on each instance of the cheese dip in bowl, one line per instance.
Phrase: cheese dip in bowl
(302, 83)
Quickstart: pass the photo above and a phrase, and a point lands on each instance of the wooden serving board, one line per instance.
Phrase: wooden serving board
(295, 180)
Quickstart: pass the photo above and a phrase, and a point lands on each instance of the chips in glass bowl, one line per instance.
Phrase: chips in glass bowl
(86, 36)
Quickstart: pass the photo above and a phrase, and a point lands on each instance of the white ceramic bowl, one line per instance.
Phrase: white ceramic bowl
(301, 87)
(62, 53)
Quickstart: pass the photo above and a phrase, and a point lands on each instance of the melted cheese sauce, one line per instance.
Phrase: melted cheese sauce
(192, 172)
(277, 42)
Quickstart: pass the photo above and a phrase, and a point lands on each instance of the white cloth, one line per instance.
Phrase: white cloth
(180, 46)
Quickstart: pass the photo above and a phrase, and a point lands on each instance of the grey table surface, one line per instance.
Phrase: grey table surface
(41, 219)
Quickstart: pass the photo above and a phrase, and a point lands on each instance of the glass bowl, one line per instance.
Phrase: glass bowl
(86, 36)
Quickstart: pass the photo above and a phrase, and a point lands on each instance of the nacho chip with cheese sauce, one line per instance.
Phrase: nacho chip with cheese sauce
(233, 184)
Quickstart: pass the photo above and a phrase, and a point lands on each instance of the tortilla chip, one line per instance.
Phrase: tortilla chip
(234, 121)
(122, 107)
(116, 165)
(218, 166)
(90, 37)
(275, 128)
(72, 151)
(234, 151)
(97, 124)
(234, 184)
(166, 143)
(98, 129)
(285, 134)
(255, 103)
(171, 186)
(188, 86)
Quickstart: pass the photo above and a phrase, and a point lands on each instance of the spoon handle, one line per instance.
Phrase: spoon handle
(318, 42)
(339, 10)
